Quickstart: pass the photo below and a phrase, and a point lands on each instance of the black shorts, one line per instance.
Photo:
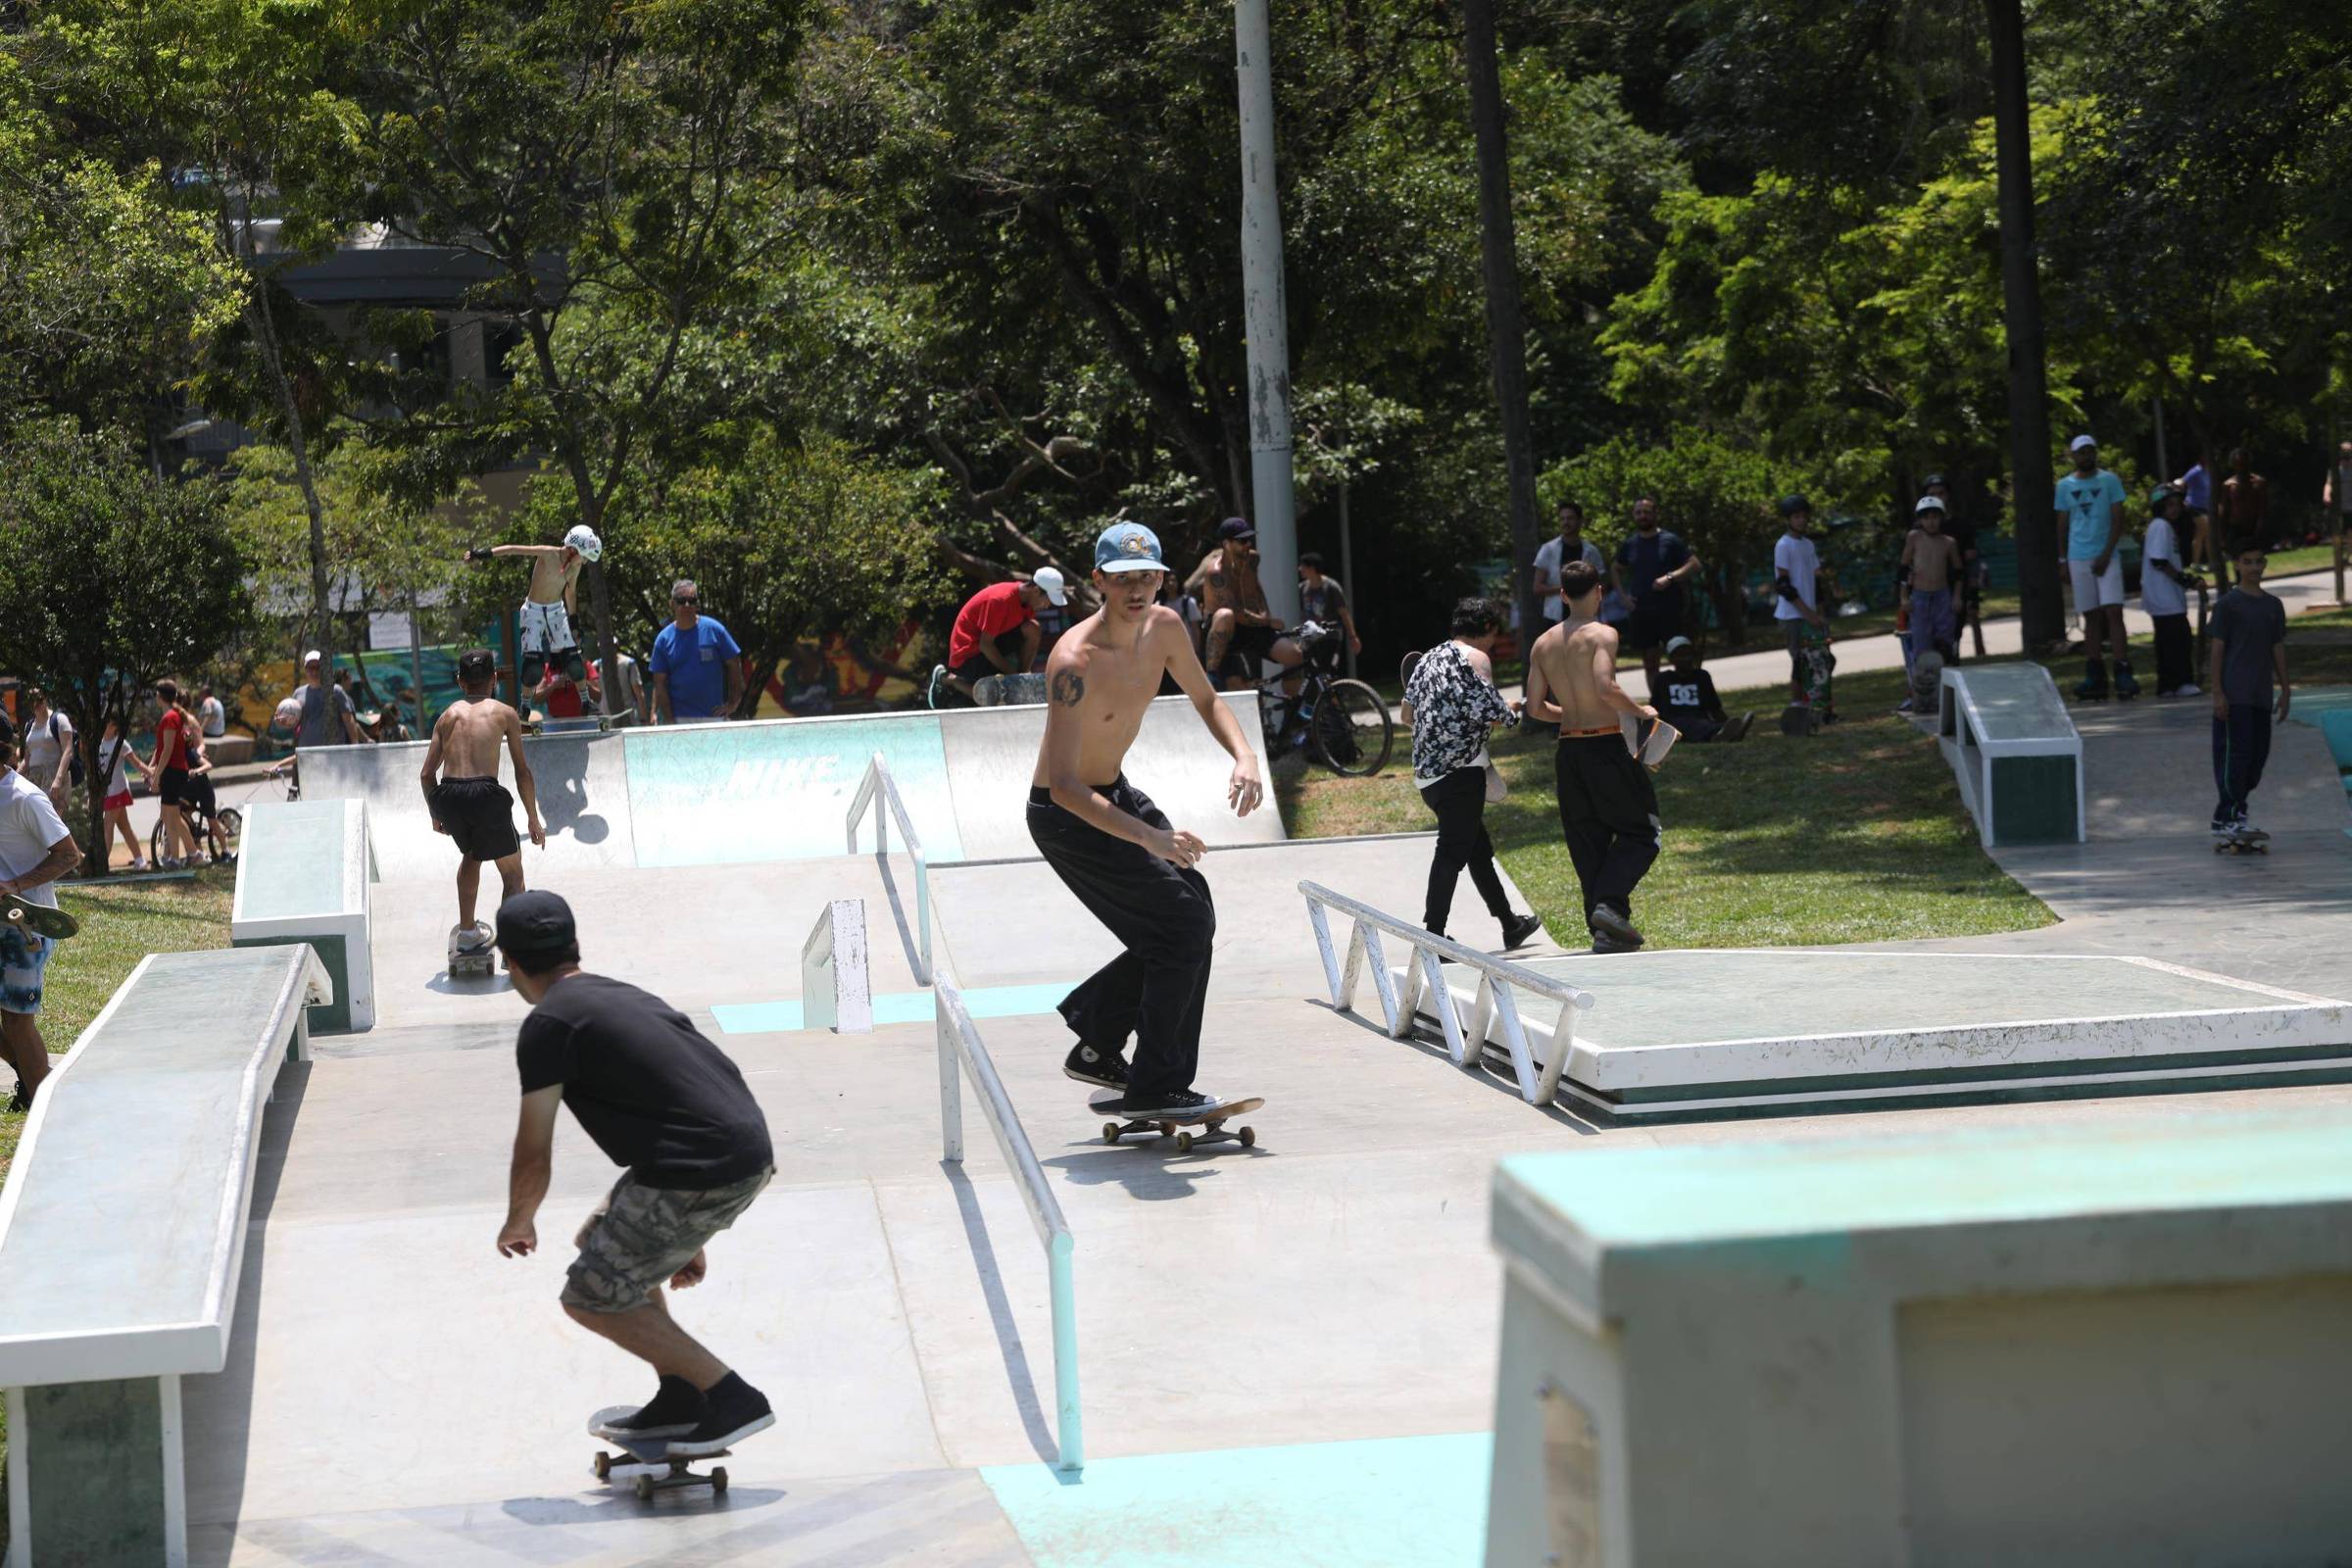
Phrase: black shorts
(479, 814)
(1249, 648)
(1653, 622)
(173, 787)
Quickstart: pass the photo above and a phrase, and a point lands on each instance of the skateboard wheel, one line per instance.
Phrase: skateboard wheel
(1111, 1132)
(603, 1466)
(1184, 1143)
(719, 1480)
(1248, 1137)
(645, 1489)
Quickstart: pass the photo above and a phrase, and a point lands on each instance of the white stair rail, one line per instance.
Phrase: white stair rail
(836, 991)
(879, 793)
(1420, 983)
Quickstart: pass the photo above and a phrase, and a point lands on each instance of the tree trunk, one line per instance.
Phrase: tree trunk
(1506, 331)
(2032, 489)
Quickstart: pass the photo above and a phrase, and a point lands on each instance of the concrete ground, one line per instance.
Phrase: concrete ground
(1286, 1352)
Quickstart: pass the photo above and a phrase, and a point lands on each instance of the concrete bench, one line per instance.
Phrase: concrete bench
(121, 1234)
(2014, 750)
(302, 874)
(2115, 1344)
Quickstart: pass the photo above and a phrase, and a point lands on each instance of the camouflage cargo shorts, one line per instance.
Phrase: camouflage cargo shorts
(640, 1236)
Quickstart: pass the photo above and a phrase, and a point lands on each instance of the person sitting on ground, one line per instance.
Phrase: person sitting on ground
(35, 850)
(467, 802)
(997, 633)
(1452, 705)
(2164, 594)
(658, 1099)
(1241, 631)
(1687, 699)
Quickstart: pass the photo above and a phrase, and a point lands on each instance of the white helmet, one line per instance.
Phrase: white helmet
(583, 539)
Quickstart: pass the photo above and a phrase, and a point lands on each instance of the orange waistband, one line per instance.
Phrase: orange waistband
(1588, 734)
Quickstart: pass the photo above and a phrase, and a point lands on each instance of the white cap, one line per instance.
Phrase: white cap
(311, 658)
(1049, 579)
(1928, 503)
(583, 539)
(2080, 442)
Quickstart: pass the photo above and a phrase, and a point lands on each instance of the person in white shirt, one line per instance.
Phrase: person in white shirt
(2164, 595)
(1569, 544)
(49, 749)
(1796, 580)
(35, 850)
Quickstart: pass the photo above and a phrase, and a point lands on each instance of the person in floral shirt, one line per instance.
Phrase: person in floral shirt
(1451, 700)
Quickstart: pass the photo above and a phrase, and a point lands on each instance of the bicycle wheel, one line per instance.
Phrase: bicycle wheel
(157, 843)
(1350, 730)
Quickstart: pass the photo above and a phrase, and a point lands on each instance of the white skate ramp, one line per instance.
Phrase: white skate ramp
(780, 789)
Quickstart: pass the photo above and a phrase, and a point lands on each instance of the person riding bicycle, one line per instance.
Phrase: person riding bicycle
(1322, 602)
(1242, 630)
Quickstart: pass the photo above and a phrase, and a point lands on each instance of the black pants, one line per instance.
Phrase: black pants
(2174, 668)
(1609, 817)
(2241, 744)
(979, 668)
(1460, 800)
(1164, 916)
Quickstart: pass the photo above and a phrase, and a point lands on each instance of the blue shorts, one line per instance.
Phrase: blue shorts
(22, 957)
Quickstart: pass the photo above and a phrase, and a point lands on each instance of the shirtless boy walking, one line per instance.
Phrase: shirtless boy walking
(1115, 848)
(553, 598)
(462, 793)
(1608, 807)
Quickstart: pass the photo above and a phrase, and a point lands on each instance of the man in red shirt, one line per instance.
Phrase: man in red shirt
(997, 632)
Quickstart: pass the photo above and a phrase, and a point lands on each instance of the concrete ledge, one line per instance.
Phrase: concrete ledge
(303, 875)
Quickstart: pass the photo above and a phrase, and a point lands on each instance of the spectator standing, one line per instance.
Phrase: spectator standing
(2091, 501)
(215, 716)
(1690, 702)
(2164, 594)
(1241, 632)
(35, 850)
(1796, 592)
(2196, 498)
(1569, 544)
(559, 696)
(1323, 601)
(1930, 572)
(327, 716)
(2244, 508)
(51, 759)
(1452, 705)
(1958, 528)
(2248, 634)
(698, 667)
(113, 753)
(2335, 496)
(169, 773)
(997, 632)
(1653, 564)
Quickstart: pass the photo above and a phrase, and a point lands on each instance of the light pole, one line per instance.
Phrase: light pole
(1262, 321)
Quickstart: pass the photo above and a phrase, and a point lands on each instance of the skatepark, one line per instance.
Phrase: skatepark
(1281, 1355)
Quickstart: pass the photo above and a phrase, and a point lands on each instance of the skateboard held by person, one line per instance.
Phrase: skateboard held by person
(40, 920)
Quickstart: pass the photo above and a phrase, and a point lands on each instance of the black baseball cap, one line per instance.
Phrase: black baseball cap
(1931, 481)
(536, 922)
(1236, 528)
(475, 664)
(1791, 505)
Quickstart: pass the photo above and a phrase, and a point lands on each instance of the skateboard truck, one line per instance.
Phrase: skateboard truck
(1211, 1129)
(644, 1464)
(473, 952)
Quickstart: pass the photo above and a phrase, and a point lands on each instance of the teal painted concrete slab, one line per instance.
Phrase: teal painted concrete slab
(718, 793)
(1387, 1502)
(896, 1007)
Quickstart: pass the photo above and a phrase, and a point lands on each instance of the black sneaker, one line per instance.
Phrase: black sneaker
(1167, 1103)
(732, 1410)
(1090, 1065)
(1518, 930)
(676, 1410)
(20, 1102)
(1616, 928)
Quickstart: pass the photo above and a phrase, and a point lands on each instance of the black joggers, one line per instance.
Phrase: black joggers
(1460, 800)
(1160, 913)
(1609, 817)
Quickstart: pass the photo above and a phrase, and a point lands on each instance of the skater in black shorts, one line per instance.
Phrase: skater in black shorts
(462, 793)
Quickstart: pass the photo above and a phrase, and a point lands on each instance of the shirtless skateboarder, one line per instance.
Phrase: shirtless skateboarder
(1609, 809)
(1115, 848)
(467, 802)
(553, 598)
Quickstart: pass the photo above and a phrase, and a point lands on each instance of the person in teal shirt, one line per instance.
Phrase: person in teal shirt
(2091, 501)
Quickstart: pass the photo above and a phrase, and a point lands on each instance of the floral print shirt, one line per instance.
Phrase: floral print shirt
(1454, 707)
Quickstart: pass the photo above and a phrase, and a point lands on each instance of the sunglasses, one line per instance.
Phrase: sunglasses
(687, 599)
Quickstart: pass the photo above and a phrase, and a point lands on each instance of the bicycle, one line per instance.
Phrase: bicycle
(1344, 724)
(218, 832)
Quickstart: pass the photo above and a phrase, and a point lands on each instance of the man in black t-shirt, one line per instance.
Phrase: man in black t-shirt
(1652, 563)
(662, 1100)
(1687, 701)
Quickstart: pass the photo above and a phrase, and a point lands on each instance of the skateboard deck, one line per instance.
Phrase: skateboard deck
(39, 918)
(644, 1464)
(1211, 1120)
(1009, 691)
(2240, 844)
(473, 954)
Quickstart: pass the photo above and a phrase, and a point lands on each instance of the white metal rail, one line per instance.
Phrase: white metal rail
(959, 1048)
(1493, 1009)
(879, 793)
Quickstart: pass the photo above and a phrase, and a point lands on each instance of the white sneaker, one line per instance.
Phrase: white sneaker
(139, 865)
(2186, 689)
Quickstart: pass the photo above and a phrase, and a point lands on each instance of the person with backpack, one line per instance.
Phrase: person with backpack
(51, 762)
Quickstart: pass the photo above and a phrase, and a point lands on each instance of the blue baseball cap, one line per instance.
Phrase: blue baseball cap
(1128, 547)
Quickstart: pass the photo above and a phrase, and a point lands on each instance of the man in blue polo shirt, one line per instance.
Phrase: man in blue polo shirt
(2091, 501)
(697, 669)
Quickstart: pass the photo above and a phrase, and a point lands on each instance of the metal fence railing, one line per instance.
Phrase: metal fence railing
(878, 793)
(963, 1055)
(1493, 1008)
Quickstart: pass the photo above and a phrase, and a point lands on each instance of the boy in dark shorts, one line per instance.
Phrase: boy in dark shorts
(1652, 563)
(462, 790)
(662, 1100)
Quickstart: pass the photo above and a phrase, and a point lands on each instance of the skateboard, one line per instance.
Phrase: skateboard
(2242, 844)
(1212, 1119)
(471, 953)
(1009, 691)
(39, 918)
(644, 1464)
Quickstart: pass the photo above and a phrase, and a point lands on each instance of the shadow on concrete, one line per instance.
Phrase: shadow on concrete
(1495, 1075)
(1000, 1315)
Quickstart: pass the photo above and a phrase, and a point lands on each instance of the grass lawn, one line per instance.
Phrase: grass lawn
(120, 926)
(1854, 834)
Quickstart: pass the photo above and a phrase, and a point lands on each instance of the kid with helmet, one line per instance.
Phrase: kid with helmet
(553, 597)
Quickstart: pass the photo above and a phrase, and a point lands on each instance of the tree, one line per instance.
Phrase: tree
(111, 579)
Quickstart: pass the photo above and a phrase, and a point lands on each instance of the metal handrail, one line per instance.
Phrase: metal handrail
(960, 1045)
(1492, 1007)
(879, 785)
